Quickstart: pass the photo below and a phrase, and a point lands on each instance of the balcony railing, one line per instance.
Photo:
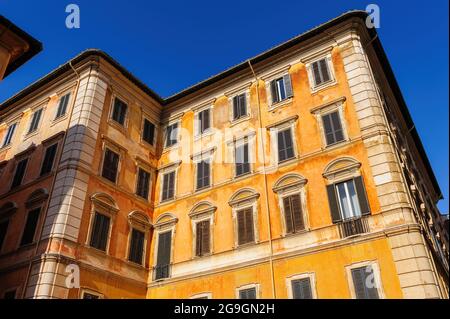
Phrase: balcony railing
(353, 226)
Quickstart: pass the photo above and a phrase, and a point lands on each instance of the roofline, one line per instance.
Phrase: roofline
(376, 43)
(35, 46)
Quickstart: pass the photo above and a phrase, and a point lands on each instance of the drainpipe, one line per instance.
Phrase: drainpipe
(269, 227)
(52, 187)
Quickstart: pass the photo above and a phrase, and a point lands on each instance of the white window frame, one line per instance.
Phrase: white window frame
(173, 167)
(200, 216)
(376, 272)
(349, 203)
(202, 295)
(208, 156)
(256, 286)
(197, 111)
(165, 223)
(239, 141)
(243, 118)
(337, 105)
(301, 191)
(315, 58)
(165, 147)
(312, 280)
(291, 124)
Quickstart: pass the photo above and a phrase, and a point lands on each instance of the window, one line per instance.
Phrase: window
(136, 246)
(203, 174)
(19, 174)
(203, 121)
(49, 159)
(143, 183)
(171, 135)
(239, 106)
(3, 229)
(9, 135)
(364, 283)
(248, 293)
(163, 258)
(332, 128)
(30, 227)
(281, 89)
(202, 238)
(119, 111)
(285, 145)
(110, 165)
(301, 288)
(62, 106)
(90, 294)
(11, 294)
(148, 132)
(242, 159)
(293, 213)
(35, 119)
(87, 295)
(168, 187)
(100, 231)
(348, 199)
(245, 226)
(321, 72)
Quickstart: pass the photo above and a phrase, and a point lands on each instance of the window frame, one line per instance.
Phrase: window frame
(15, 124)
(202, 211)
(30, 209)
(173, 167)
(311, 78)
(207, 156)
(242, 118)
(377, 277)
(123, 126)
(54, 158)
(150, 182)
(37, 109)
(56, 118)
(197, 124)
(166, 222)
(177, 143)
(17, 161)
(155, 133)
(202, 295)
(300, 191)
(325, 109)
(142, 224)
(84, 291)
(108, 146)
(249, 201)
(255, 286)
(312, 281)
(291, 124)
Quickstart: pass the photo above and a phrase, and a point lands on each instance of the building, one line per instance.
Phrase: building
(295, 174)
(16, 47)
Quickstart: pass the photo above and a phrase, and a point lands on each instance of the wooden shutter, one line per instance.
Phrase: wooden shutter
(287, 85)
(296, 208)
(273, 91)
(110, 165)
(136, 246)
(362, 197)
(324, 70)
(301, 289)
(148, 133)
(332, 201)
(30, 227)
(49, 158)
(242, 105)
(163, 256)
(236, 113)
(62, 106)
(20, 172)
(249, 293)
(337, 126)
(143, 183)
(316, 73)
(362, 291)
(245, 226)
(288, 215)
(9, 134)
(100, 231)
(202, 238)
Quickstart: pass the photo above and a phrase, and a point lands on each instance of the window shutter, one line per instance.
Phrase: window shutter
(316, 73)
(136, 246)
(297, 214)
(205, 237)
(332, 200)
(236, 114)
(324, 70)
(163, 257)
(249, 293)
(206, 120)
(199, 239)
(242, 105)
(337, 126)
(301, 289)
(110, 165)
(241, 227)
(288, 215)
(20, 172)
(362, 197)
(360, 276)
(49, 158)
(30, 227)
(249, 225)
(287, 85)
(329, 136)
(273, 91)
(148, 133)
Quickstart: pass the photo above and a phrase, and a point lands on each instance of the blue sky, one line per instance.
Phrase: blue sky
(171, 45)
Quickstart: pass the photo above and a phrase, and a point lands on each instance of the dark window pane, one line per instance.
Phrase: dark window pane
(148, 133)
(249, 293)
(163, 258)
(202, 238)
(119, 111)
(35, 121)
(100, 231)
(30, 227)
(19, 174)
(203, 121)
(203, 174)
(136, 246)
(293, 213)
(168, 186)
(62, 106)
(239, 106)
(285, 145)
(242, 160)
(333, 128)
(320, 72)
(110, 165)
(171, 135)
(363, 281)
(9, 134)
(245, 226)
(49, 159)
(143, 183)
(87, 295)
(3, 229)
(301, 289)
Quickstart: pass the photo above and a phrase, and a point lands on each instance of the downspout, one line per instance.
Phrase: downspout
(269, 227)
(52, 186)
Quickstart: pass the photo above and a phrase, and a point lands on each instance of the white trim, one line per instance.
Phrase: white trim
(91, 292)
(327, 109)
(236, 206)
(202, 295)
(208, 131)
(301, 191)
(195, 219)
(315, 58)
(291, 125)
(177, 143)
(245, 117)
(167, 170)
(376, 272)
(312, 280)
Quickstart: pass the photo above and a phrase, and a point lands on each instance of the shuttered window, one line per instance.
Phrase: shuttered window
(245, 226)
(301, 288)
(19, 174)
(242, 159)
(110, 165)
(9, 134)
(364, 284)
(171, 135)
(3, 229)
(239, 106)
(285, 145)
(249, 293)
(348, 199)
(293, 213)
(203, 174)
(136, 246)
(168, 186)
(204, 122)
(332, 128)
(62, 106)
(321, 72)
(100, 231)
(148, 132)
(281, 88)
(30, 227)
(163, 257)
(143, 183)
(119, 112)
(35, 119)
(202, 238)
(49, 159)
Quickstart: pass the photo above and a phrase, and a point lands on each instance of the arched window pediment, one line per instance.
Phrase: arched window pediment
(201, 209)
(105, 202)
(288, 182)
(166, 220)
(8, 209)
(341, 167)
(36, 197)
(243, 196)
(139, 219)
